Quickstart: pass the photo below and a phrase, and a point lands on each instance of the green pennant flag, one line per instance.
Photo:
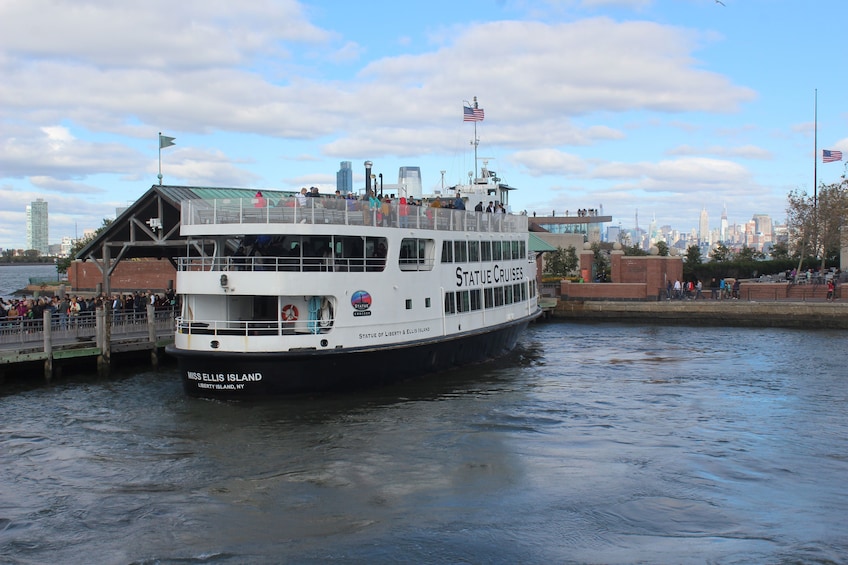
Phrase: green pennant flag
(165, 141)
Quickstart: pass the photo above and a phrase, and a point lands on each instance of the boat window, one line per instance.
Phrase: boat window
(416, 254)
(450, 303)
(475, 299)
(508, 294)
(474, 251)
(447, 252)
(486, 250)
(499, 296)
(463, 301)
(516, 251)
(460, 252)
(520, 292)
(378, 250)
(489, 296)
(496, 251)
(409, 304)
(356, 253)
(427, 302)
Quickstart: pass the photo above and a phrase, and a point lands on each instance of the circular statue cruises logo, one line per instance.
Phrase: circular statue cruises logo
(361, 302)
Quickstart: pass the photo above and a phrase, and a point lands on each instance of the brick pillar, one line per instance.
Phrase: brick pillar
(587, 257)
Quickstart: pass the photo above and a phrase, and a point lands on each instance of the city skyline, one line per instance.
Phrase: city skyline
(678, 106)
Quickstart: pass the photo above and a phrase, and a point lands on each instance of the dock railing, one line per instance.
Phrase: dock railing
(81, 327)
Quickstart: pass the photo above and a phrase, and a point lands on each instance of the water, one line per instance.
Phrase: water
(594, 444)
(16, 277)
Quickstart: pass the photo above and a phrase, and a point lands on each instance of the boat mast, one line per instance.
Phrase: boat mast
(476, 141)
(473, 113)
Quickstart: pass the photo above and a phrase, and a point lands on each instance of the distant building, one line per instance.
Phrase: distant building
(704, 228)
(66, 246)
(344, 178)
(410, 179)
(571, 231)
(763, 231)
(36, 226)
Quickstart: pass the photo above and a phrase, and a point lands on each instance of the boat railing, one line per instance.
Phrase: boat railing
(294, 264)
(252, 327)
(343, 211)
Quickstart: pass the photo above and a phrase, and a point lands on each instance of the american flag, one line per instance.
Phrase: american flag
(829, 156)
(472, 114)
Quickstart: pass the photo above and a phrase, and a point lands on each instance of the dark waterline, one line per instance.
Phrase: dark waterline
(593, 444)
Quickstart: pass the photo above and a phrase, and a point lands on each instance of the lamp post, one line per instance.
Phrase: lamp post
(368, 165)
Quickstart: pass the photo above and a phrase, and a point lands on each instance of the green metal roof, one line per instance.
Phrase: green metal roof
(177, 194)
(539, 245)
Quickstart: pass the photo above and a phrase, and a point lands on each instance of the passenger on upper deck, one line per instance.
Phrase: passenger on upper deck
(301, 198)
(458, 204)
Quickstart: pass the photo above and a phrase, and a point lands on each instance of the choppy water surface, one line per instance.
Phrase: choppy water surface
(16, 277)
(596, 444)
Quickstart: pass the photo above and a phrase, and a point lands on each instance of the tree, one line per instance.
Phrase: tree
(693, 256)
(662, 248)
(780, 251)
(721, 253)
(633, 251)
(600, 262)
(749, 254)
(562, 262)
(815, 222)
(64, 263)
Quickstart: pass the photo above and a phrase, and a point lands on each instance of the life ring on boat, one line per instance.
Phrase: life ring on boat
(289, 313)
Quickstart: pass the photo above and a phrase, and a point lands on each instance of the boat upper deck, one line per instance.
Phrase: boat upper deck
(257, 215)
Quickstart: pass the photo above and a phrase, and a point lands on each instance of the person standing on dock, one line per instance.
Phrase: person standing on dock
(64, 310)
(714, 289)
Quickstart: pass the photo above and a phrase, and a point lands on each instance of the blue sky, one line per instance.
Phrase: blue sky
(661, 107)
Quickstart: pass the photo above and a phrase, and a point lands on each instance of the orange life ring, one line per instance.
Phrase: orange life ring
(289, 313)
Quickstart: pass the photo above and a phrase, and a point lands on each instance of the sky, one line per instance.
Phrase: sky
(648, 109)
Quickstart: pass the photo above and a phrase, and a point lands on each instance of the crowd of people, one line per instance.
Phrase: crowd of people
(66, 311)
(372, 200)
(719, 288)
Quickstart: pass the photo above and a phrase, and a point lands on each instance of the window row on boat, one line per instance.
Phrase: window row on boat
(349, 253)
(471, 300)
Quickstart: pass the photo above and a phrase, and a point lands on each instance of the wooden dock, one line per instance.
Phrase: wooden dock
(27, 345)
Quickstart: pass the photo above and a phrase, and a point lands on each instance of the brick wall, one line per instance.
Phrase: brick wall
(633, 278)
(129, 275)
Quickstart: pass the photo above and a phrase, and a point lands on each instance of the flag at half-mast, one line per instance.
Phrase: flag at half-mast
(165, 141)
(470, 114)
(829, 156)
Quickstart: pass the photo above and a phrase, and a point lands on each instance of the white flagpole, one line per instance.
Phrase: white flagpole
(160, 157)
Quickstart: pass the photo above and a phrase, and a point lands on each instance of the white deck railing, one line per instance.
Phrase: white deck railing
(343, 211)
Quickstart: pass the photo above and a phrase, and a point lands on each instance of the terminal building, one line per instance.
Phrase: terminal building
(570, 230)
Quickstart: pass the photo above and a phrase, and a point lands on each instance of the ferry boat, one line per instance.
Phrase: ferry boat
(303, 295)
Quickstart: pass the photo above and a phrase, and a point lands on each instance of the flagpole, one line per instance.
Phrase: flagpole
(815, 175)
(160, 157)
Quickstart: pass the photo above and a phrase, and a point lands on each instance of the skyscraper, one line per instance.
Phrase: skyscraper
(410, 177)
(723, 234)
(762, 230)
(704, 228)
(36, 226)
(344, 178)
